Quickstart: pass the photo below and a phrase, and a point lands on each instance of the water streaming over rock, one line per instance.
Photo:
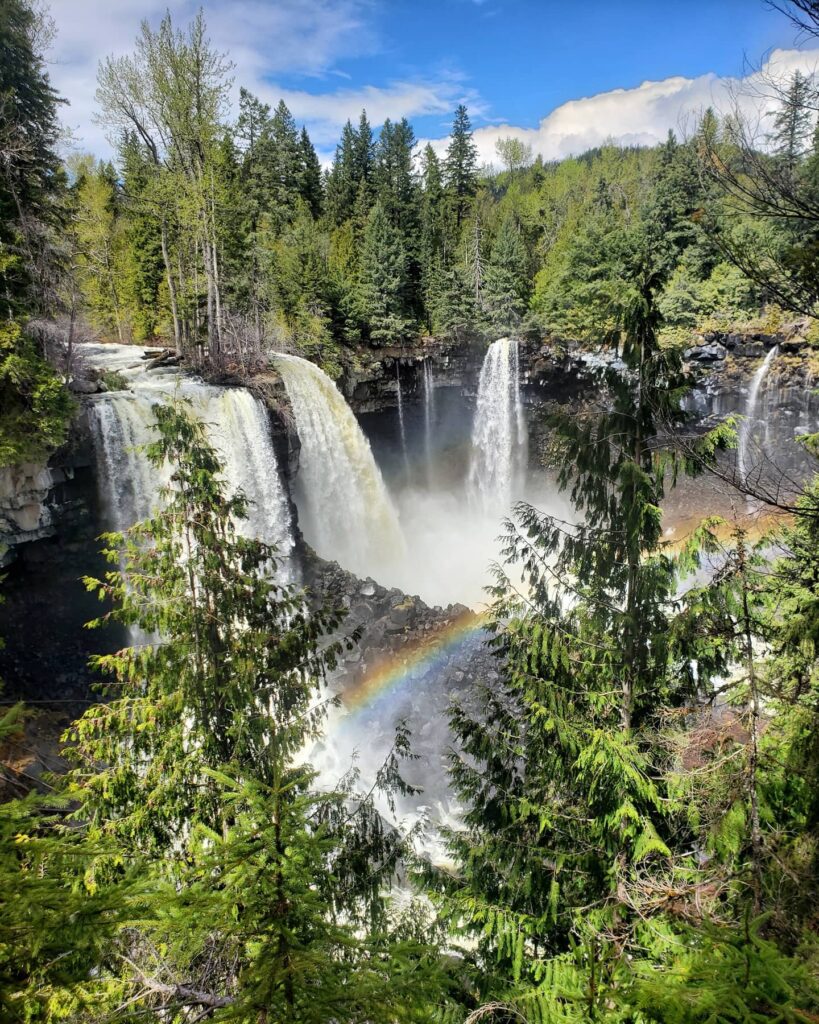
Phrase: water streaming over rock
(345, 510)
(746, 440)
(237, 426)
(401, 425)
(429, 417)
(498, 456)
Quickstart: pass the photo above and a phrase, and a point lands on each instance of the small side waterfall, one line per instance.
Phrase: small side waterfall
(429, 416)
(401, 425)
(745, 439)
(237, 426)
(499, 431)
(346, 513)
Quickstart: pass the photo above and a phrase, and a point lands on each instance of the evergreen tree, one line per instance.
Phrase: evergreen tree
(507, 284)
(460, 167)
(567, 813)
(363, 151)
(384, 281)
(269, 895)
(342, 181)
(34, 405)
(794, 121)
(142, 263)
(311, 185)
(286, 161)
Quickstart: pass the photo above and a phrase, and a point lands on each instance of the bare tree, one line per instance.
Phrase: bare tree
(803, 13)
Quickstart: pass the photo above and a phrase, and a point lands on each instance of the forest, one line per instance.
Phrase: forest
(637, 776)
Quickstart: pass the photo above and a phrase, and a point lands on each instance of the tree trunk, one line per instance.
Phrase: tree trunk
(753, 755)
(177, 337)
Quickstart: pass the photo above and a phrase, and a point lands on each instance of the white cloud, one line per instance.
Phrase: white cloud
(263, 38)
(268, 39)
(643, 115)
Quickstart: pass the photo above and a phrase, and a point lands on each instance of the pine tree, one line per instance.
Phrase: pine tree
(460, 167)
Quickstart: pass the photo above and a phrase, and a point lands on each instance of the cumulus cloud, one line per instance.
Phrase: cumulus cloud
(271, 42)
(264, 39)
(642, 116)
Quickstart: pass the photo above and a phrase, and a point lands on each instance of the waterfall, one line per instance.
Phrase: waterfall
(429, 416)
(346, 511)
(237, 426)
(498, 455)
(745, 439)
(401, 426)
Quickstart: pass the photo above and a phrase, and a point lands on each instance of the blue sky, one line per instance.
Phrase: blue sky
(519, 65)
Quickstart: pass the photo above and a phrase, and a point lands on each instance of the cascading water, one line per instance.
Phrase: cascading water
(346, 511)
(429, 416)
(498, 454)
(401, 425)
(236, 424)
(745, 439)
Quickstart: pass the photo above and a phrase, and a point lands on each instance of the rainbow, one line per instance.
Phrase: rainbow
(391, 675)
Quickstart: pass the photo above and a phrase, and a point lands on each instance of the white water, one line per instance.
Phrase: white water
(745, 440)
(429, 417)
(237, 426)
(344, 508)
(401, 424)
(499, 432)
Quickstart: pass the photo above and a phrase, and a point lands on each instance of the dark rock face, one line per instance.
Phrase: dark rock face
(46, 606)
(370, 379)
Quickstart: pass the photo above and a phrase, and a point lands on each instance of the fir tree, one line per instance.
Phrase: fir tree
(342, 181)
(286, 160)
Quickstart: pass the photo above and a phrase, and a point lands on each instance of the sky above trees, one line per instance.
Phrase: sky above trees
(563, 77)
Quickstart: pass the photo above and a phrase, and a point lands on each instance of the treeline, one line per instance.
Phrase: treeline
(225, 234)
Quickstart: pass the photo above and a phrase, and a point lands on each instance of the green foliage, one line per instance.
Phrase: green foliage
(627, 853)
(384, 280)
(270, 896)
(34, 404)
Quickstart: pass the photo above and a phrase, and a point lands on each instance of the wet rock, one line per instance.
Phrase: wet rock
(83, 386)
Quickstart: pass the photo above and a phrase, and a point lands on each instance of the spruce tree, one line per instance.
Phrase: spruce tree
(342, 181)
(793, 122)
(34, 405)
(433, 220)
